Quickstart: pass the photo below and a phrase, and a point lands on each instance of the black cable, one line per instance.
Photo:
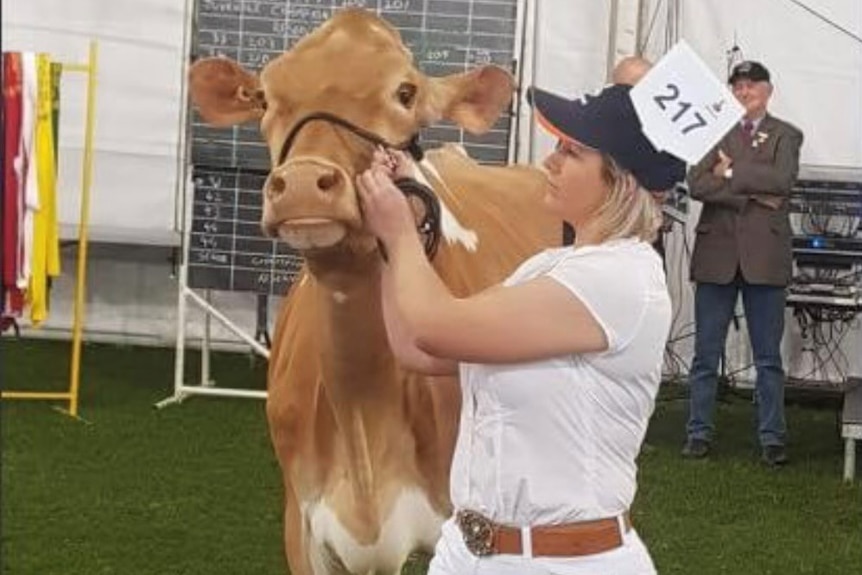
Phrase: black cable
(827, 20)
(833, 345)
(651, 24)
(825, 348)
(677, 312)
(853, 274)
(674, 362)
(680, 337)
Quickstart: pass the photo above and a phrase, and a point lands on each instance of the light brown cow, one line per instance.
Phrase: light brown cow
(364, 445)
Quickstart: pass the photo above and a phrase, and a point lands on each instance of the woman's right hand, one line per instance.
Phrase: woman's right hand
(385, 210)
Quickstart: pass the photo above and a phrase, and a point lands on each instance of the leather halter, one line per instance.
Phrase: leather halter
(411, 145)
(429, 226)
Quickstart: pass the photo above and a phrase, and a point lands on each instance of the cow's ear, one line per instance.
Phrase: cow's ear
(224, 92)
(475, 99)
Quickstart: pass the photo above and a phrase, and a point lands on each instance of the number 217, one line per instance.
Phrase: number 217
(664, 100)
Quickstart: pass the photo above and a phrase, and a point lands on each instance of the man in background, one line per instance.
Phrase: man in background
(743, 245)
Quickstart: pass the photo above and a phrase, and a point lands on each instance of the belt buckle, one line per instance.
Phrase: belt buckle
(477, 531)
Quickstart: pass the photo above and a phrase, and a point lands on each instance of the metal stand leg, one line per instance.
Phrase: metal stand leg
(849, 459)
(261, 332)
(182, 391)
(851, 424)
(206, 346)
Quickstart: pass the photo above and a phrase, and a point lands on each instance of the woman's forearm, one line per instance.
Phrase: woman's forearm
(402, 339)
(422, 299)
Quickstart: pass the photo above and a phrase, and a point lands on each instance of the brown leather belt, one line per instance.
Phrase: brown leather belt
(484, 537)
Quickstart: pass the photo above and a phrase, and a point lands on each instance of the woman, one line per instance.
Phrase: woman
(559, 366)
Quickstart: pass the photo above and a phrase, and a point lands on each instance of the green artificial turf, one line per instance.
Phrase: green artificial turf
(194, 489)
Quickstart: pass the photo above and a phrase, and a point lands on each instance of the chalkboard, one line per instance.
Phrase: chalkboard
(446, 36)
(227, 250)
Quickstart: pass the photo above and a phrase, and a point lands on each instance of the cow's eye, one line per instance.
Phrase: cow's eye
(406, 94)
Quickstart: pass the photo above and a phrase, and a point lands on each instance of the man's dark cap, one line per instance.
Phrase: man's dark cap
(749, 70)
(607, 122)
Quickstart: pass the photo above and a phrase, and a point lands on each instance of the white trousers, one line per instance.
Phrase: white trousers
(451, 557)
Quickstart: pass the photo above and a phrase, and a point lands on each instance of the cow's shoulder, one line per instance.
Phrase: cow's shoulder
(463, 174)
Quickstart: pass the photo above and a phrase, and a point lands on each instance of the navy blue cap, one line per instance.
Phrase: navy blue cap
(607, 122)
(749, 70)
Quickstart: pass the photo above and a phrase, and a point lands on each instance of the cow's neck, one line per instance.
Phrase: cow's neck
(356, 353)
(357, 366)
(358, 370)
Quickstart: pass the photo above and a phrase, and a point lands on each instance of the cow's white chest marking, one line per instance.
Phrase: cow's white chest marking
(412, 523)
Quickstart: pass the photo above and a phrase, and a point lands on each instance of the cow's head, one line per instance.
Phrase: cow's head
(356, 68)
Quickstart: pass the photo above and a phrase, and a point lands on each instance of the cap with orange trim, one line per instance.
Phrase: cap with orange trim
(607, 122)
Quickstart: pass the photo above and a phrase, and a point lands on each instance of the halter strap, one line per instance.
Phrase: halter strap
(429, 227)
(411, 145)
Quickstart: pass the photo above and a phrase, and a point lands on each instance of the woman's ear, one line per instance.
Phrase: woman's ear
(473, 100)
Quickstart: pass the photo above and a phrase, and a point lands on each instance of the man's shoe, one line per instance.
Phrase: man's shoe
(774, 455)
(695, 449)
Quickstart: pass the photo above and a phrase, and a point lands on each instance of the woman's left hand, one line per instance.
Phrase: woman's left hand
(386, 211)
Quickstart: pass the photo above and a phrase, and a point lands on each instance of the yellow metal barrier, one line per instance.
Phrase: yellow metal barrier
(71, 396)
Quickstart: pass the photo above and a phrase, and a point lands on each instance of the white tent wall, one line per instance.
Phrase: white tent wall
(567, 53)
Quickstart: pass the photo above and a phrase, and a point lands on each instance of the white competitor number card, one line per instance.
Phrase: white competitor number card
(683, 108)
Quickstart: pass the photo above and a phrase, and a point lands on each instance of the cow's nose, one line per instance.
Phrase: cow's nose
(304, 177)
